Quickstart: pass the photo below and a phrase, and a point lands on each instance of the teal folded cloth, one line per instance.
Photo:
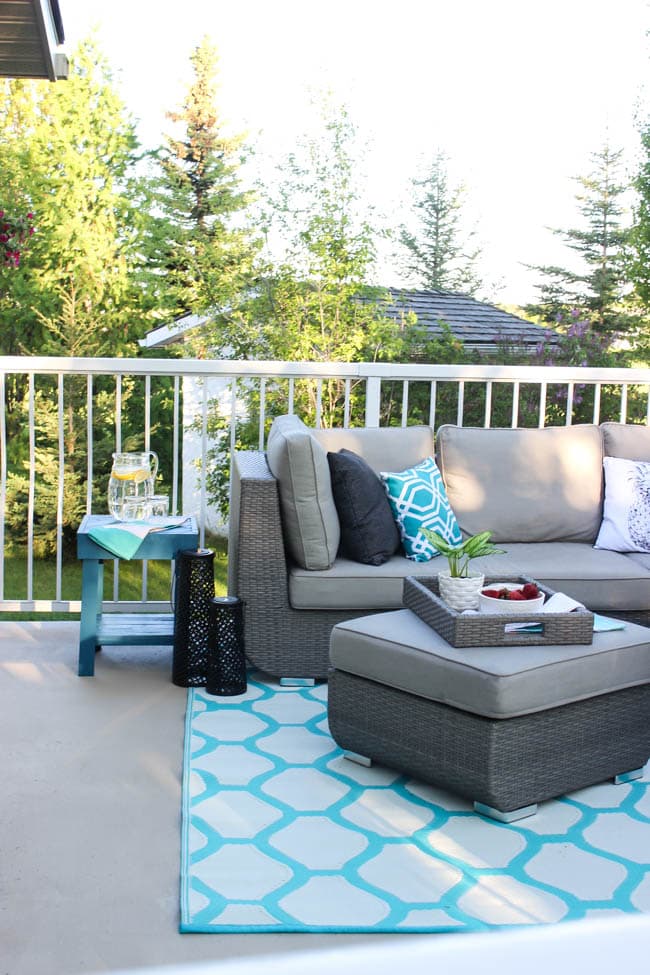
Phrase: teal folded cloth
(121, 539)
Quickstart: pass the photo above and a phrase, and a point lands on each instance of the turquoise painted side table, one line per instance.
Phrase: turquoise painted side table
(122, 629)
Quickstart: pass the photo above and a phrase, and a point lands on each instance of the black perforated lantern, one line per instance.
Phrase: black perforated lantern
(194, 589)
(227, 658)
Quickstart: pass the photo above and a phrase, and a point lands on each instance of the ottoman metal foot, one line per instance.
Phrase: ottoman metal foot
(297, 682)
(623, 777)
(505, 817)
(358, 759)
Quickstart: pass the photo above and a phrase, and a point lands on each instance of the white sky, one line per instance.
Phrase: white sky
(518, 93)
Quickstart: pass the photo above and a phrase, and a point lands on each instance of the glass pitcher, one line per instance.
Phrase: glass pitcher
(131, 482)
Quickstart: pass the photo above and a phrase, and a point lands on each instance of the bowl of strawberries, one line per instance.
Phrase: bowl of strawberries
(510, 597)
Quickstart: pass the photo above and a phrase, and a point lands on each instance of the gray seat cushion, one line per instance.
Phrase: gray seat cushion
(531, 485)
(350, 585)
(399, 650)
(600, 579)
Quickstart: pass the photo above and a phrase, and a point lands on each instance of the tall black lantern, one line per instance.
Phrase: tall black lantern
(194, 589)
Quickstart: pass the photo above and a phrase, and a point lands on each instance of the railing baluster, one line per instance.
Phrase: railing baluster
(542, 405)
(60, 489)
(204, 464)
(432, 404)
(515, 405)
(89, 444)
(461, 402)
(30, 493)
(624, 403)
(597, 403)
(346, 408)
(147, 446)
(260, 439)
(292, 384)
(233, 414)
(373, 401)
(488, 403)
(3, 480)
(405, 402)
(175, 443)
(319, 403)
(118, 449)
(569, 404)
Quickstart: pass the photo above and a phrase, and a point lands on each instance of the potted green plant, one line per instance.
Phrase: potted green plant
(460, 587)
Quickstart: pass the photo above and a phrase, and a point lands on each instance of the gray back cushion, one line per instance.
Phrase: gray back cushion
(299, 464)
(628, 440)
(524, 485)
(382, 448)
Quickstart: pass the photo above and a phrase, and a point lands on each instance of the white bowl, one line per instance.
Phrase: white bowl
(487, 604)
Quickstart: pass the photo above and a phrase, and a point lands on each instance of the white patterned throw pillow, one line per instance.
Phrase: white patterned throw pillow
(626, 512)
(418, 500)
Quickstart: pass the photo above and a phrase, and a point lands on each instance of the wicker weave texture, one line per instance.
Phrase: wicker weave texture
(280, 640)
(506, 764)
(422, 596)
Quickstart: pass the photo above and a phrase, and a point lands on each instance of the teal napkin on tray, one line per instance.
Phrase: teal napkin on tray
(125, 538)
(120, 539)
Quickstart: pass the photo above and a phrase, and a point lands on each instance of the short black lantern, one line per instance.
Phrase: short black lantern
(227, 657)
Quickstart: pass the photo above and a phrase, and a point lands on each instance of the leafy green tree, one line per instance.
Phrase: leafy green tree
(71, 149)
(200, 245)
(437, 253)
(70, 152)
(312, 301)
(599, 287)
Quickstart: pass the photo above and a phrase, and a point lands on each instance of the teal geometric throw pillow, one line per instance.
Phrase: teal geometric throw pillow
(418, 500)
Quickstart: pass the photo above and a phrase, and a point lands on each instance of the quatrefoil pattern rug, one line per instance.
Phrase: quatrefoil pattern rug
(281, 833)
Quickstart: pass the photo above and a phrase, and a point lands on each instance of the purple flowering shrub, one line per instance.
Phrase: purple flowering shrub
(14, 231)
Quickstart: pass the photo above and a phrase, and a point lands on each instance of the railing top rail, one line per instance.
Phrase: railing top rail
(356, 370)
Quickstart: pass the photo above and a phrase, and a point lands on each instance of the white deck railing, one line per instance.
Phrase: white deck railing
(522, 393)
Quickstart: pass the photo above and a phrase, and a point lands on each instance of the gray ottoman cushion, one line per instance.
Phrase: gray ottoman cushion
(399, 650)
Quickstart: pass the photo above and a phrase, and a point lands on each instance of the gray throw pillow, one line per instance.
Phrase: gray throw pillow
(368, 530)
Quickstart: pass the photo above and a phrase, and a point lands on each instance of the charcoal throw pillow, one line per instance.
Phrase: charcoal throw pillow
(418, 499)
(368, 531)
(626, 510)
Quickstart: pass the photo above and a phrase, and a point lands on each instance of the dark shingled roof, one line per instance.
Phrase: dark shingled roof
(476, 323)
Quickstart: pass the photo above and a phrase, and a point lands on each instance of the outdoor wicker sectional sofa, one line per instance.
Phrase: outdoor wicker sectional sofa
(540, 491)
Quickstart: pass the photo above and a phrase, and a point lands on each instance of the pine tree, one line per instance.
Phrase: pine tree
(200, 249)
(639, 267)
(437, 254)
(598, 289)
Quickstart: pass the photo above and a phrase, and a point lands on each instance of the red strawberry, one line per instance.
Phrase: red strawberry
(530, 591)
(504, 593)
(516, 594)
(492, 593)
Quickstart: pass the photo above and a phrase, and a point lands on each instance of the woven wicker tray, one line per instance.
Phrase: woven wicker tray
(422, 597)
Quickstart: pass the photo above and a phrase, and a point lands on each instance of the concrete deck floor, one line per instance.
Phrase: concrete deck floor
(90, 813)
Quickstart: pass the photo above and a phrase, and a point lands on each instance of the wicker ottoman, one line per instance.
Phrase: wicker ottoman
(507, 727)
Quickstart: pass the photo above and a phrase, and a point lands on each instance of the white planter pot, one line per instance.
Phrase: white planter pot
(460, 593)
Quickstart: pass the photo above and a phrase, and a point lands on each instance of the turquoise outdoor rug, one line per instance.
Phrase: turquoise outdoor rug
(281, 833)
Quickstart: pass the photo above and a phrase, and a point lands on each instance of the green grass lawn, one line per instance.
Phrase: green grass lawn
(130, 580)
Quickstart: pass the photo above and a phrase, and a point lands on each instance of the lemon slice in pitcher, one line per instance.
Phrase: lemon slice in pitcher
(136, 476)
